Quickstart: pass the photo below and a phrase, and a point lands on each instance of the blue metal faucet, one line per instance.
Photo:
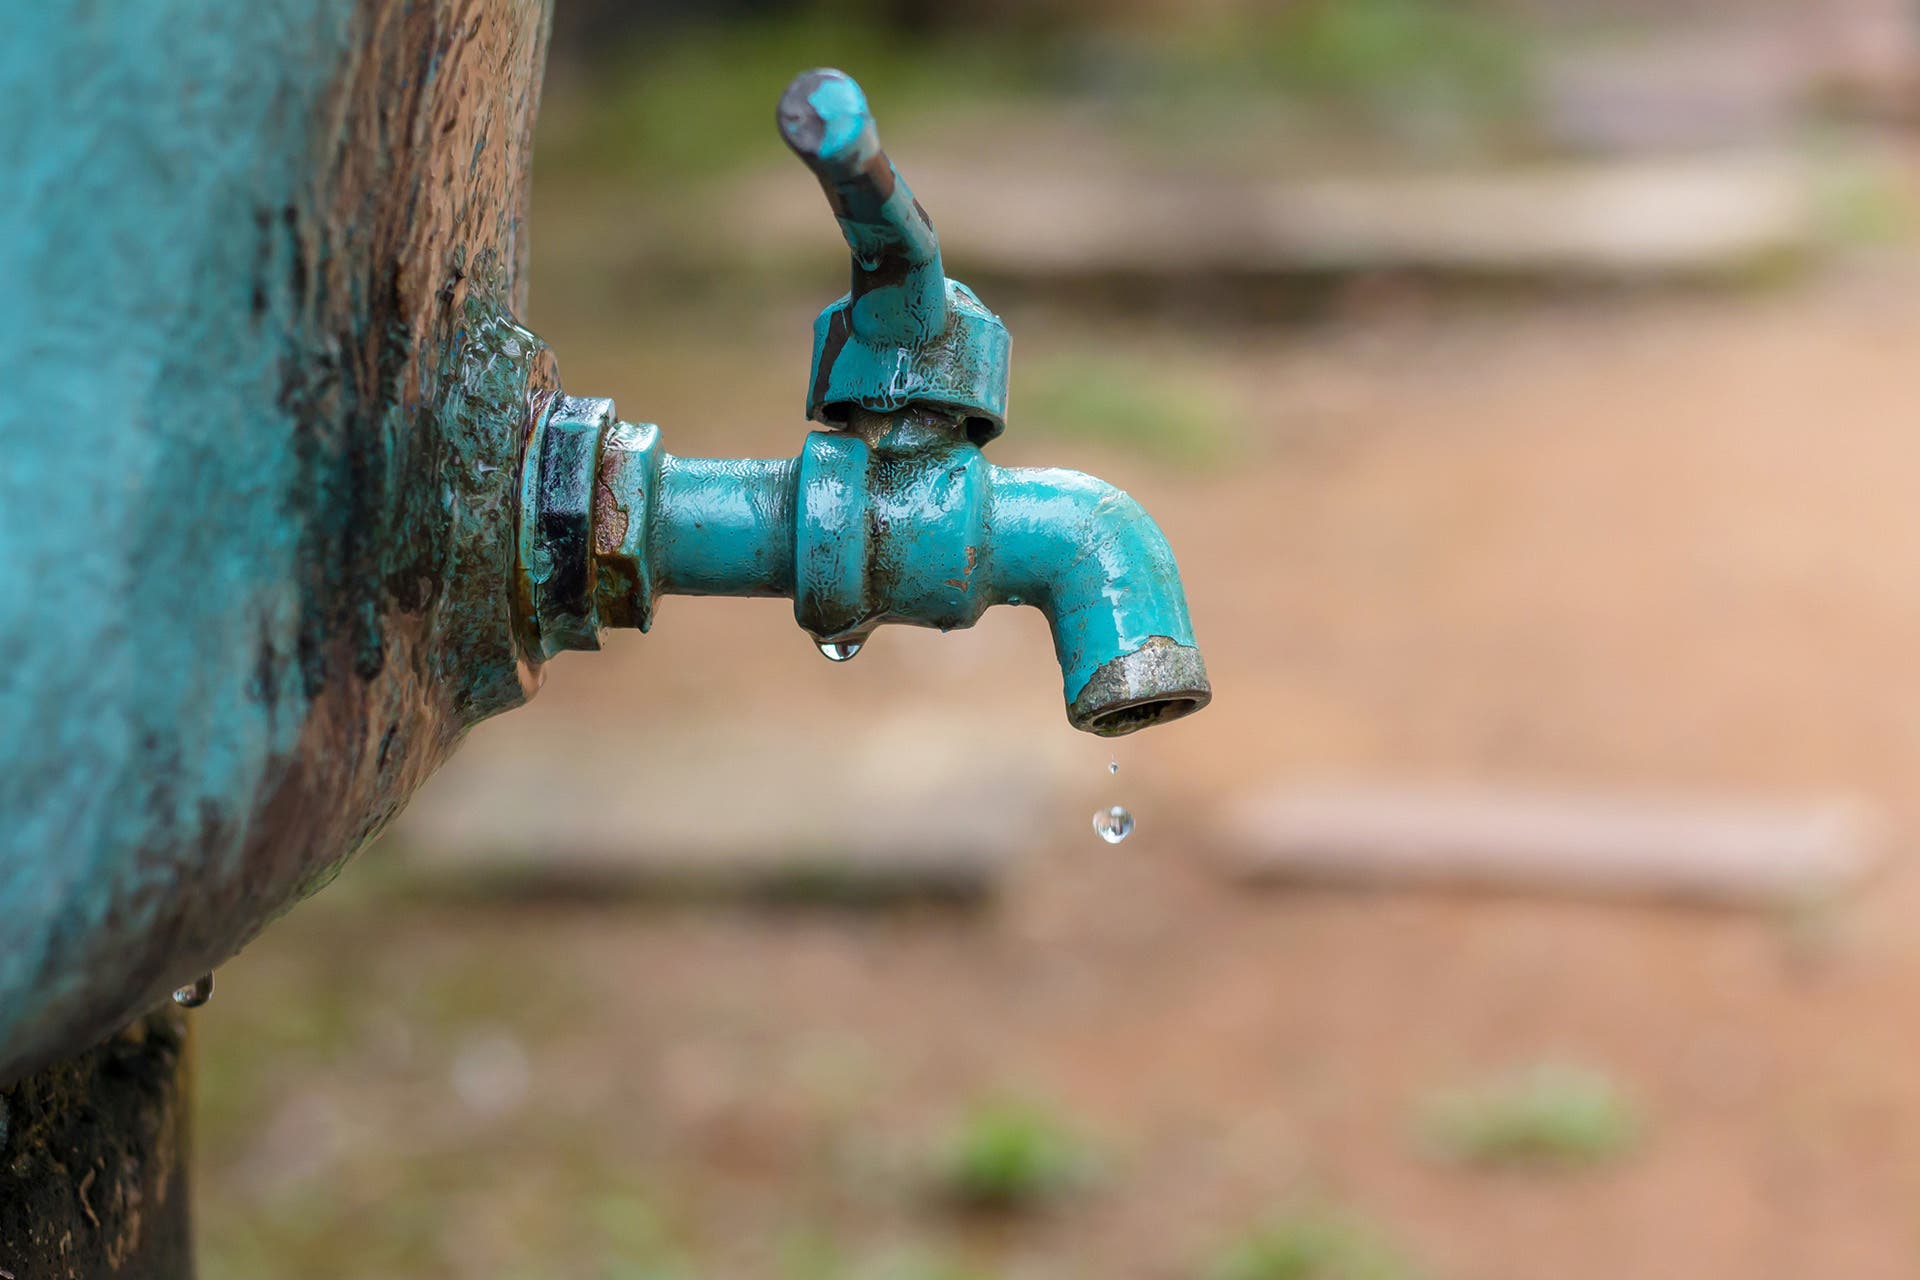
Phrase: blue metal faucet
(891, 512)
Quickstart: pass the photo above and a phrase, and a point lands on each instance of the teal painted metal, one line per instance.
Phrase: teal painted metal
(899, 521)
(894, 514)
(904, 334)
(263, 401)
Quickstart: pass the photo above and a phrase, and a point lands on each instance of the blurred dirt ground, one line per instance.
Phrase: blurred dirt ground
(1639, 539)
(1512, 531)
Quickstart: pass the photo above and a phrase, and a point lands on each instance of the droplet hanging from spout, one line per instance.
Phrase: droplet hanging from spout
(195, 993)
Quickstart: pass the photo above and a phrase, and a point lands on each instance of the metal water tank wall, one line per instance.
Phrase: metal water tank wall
(261, 409)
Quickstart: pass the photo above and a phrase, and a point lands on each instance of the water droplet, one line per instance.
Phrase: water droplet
(839, 651)
(1113, 825)
(1113, 766)
(192, 997)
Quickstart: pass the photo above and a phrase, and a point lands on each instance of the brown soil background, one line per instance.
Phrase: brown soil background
(1652, 540)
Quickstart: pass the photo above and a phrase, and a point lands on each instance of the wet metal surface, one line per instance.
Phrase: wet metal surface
(894, 514)
(904, 334)
(899, 521)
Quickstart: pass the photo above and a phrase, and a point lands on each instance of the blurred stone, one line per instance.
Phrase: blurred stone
(1690, 215)
(1723, 88)
(912, 806)
(1714, 850)
(1735, 71)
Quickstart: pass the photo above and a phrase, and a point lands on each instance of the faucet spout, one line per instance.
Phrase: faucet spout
(901, 520)
(1093, 560)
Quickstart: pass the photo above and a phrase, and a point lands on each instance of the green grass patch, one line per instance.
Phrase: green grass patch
(699, 102)
(1440, 74)
(1384, 51)
(1863, 200)
(920, 1265)
(1313, 1245)
(702, 102)
(823, 1260)
(1153, 410)
(1011, 1156)
(1551, 1115)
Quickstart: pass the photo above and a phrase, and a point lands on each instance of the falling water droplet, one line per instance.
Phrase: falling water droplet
(1113, 766)
(195, 995)
(839, 651)
(1113, 825)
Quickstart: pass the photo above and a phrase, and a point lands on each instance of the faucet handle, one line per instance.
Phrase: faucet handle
(904, 333)
(824, 118)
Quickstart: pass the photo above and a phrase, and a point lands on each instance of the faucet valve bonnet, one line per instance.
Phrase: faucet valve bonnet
(904, 333)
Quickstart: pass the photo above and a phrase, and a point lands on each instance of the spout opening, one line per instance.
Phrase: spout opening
(1120, 721)
(1157, 683)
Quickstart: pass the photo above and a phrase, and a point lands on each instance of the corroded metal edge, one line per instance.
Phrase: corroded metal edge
(1160, 681)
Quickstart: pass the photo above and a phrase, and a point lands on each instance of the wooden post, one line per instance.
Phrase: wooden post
(93, 1161)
